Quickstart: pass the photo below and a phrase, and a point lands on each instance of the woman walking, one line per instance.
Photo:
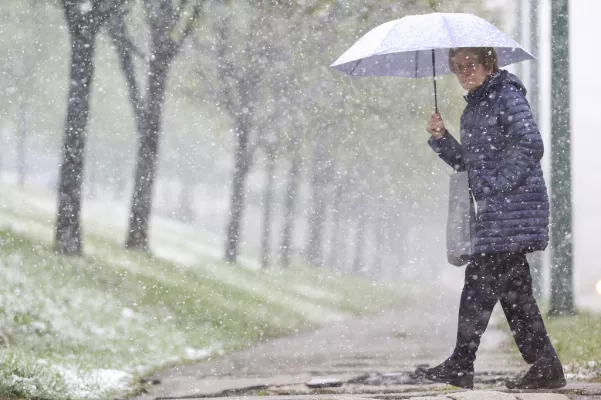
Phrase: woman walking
(501, 149)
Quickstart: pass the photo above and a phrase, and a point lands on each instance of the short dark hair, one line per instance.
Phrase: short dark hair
(487, 56)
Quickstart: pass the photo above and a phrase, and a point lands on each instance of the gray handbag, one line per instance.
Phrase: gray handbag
(459, 246)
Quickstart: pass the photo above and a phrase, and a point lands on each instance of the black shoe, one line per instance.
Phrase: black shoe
(544, 374)
(450, 372)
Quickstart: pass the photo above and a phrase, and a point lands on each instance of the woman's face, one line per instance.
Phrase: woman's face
(470, 73)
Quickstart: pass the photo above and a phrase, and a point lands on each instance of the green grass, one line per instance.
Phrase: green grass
(91, 326)
(577, 340)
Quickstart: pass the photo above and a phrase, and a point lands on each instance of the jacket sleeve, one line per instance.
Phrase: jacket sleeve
(449, 150)
(524, 145)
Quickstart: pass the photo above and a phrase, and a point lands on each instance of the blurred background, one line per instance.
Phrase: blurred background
(273, 158)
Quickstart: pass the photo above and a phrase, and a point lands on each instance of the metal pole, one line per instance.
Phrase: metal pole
(536, 259)
(562, 302)
(519, 34)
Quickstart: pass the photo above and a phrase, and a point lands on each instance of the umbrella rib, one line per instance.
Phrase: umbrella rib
(416, 62)
(355, 67)
(450, 33)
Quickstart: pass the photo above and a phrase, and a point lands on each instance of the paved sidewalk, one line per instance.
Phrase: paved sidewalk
(371, 356)
(472, 395)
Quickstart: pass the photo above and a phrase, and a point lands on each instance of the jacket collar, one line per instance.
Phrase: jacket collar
(483, 90)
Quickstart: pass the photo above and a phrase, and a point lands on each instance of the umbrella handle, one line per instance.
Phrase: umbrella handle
(434, 78)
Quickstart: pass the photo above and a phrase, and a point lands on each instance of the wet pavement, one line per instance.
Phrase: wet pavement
(366, 357)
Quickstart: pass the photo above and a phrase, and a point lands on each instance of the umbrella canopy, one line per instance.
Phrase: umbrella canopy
(417, 46)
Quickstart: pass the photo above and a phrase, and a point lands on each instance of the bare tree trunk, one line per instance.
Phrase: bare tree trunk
(120, 186)
(359, 263)
(314, 252)
(163, 17)
(68, 234)
(342, 264)
(290, 210)
(92, 181)
(125, 50)
(399, 239)
(137, 237)
(185, 212)
(84, 26)
(241, 167)
(336, 225)
(267, 209)
(22, 141)
(147, 159)
(380, 233)
(239, 96)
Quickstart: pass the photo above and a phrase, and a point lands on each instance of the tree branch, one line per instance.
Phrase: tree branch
(106, 9)
(179, 10)
(116, 29)
(190, 26)
(124, 48)
(224, 66)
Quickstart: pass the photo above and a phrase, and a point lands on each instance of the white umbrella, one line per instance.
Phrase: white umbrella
(418, 45)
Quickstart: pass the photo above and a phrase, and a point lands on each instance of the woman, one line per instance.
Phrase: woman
(500, 149)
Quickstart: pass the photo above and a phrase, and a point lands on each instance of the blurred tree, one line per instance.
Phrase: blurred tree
(268, 195)
(26, 65)
(19, 71)
(241, 47)
(169, 25)
(272, 126)
(359, 265)
(321, 173)
(30, 71)
(339, 215)
(306, 38)
(84, 20)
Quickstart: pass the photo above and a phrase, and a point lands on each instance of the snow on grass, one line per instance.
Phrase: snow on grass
(87, 316)
(88, 384)
(316, 293)
(89, 327)
(109, 219)
(183, 247)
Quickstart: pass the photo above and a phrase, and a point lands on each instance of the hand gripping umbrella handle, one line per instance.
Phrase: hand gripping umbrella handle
(434, 77)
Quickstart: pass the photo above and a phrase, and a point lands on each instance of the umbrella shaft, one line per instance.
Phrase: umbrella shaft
(434, 78)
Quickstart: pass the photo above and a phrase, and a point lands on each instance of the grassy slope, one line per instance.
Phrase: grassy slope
(89, 327)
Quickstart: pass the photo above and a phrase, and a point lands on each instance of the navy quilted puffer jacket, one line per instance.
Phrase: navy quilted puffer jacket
(501, 148)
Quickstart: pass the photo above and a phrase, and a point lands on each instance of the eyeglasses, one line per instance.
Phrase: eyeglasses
(458, 68)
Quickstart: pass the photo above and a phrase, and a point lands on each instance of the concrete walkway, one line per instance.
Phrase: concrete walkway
(371, 356)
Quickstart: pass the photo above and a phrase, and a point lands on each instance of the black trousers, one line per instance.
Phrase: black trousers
(503, 277)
